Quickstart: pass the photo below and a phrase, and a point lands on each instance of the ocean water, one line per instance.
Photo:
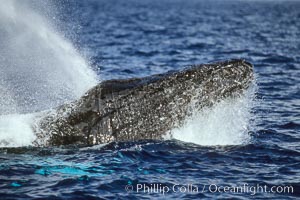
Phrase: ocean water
(252, 143)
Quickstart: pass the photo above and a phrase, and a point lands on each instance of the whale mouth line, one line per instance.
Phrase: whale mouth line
(143, 108)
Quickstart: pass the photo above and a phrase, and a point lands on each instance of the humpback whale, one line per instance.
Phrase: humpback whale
(142, 108)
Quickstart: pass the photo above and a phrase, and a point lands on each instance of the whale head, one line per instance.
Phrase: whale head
(143, 108)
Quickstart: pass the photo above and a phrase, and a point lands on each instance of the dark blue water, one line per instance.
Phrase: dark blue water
(137, 38)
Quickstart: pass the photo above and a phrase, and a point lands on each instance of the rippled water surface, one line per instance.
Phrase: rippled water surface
(137, 38)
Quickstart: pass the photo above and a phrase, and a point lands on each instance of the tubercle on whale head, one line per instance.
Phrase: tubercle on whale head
(227, 70)
(227, 78)
(144, 108)
(221, 72)
(210, 83)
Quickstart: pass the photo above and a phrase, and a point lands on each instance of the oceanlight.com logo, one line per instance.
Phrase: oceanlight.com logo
(209, 188)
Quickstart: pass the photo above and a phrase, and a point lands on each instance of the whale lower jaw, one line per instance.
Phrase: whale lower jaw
(142, 108)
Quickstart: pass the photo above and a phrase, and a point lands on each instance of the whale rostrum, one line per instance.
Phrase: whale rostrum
(142, 108)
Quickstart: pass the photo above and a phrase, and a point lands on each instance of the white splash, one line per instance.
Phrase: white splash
(39, 70)
(15, 130)
(226, 123)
